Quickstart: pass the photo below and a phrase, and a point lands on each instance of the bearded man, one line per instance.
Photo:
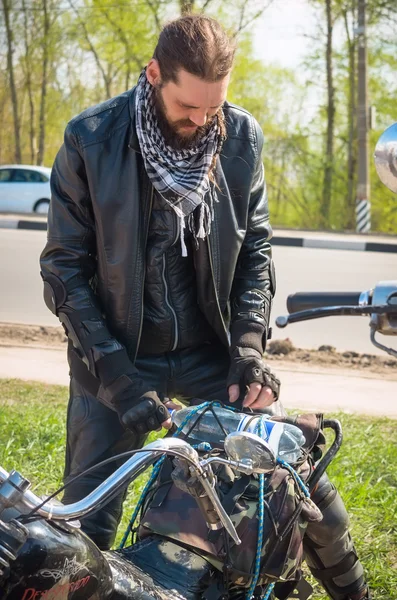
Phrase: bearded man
(158, 265)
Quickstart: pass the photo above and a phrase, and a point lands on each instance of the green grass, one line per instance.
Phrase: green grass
(32, 438)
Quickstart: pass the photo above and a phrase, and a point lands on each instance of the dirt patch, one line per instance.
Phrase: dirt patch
(15, 334)
(12, 334)
(328, 357)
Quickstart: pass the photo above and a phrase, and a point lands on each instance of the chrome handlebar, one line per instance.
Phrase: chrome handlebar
(380, 303)
(14, 492)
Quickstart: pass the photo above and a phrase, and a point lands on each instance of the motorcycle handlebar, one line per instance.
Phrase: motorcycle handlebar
(308, 300)
(22, 499)
(380, 303)
(103, 493)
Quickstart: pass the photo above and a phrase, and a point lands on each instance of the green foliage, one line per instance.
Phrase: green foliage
(32, 431)
(96, 50)
(32, 427)
(364, 473)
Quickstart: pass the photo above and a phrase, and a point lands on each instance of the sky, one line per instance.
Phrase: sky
(279, 32)
(282, 36)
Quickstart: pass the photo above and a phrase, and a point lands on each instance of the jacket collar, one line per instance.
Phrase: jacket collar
(133, 142)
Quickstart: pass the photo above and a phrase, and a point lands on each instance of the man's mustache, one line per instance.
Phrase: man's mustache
(185, 123)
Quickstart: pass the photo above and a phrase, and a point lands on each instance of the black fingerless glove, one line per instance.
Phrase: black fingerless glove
(124, 391)
(247, 366)
(143, 414)
(248, 333)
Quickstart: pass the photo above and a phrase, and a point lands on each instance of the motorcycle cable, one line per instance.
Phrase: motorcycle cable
(32, 513)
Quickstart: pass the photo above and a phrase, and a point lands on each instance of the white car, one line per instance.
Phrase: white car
(24, 188)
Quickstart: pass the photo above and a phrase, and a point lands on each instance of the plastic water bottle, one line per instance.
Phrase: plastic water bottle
(286, 440)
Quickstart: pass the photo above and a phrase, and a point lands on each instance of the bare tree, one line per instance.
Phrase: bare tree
(3, 102)
(325, 203)
(44, 82)
(28, 75)
(352, 108)
(11, 74)
(139, 63)
(154, 6)
(247, 17)
(186, 6)
(107, 79)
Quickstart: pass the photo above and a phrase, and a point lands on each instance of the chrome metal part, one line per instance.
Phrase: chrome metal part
(12, 489)
(224, 517)
(384, 293)
(28, 501)
(121, 477)
(390, 351)
(365, 298)
(243, 445)
(245, 466)
(386, 157)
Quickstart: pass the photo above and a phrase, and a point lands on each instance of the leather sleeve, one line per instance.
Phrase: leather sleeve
(254, 281)
(68, 261)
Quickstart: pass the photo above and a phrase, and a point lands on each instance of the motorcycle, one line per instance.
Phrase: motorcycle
(45, 556)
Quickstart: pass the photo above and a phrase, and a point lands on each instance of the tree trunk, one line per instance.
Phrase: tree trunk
(186, 6)
(106, 79)
(2, 106)
(280, 184)
(28, 63)
(44, 82)
(350, 222)
(11, 74)
(325, 204)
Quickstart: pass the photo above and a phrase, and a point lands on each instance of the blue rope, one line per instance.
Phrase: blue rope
(261, 520)
(295, 475)
(207, 447)
(269, 590)
(157, 466)
(299, 482)
(155, 472)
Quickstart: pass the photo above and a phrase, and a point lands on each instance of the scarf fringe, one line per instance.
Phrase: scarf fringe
(167, 169)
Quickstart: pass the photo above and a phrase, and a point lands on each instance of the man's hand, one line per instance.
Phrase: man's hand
(257, 397)
(138, 411)
(144, 414)
(263, 387)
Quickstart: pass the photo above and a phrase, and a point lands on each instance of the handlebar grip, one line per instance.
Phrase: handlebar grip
(307, 300)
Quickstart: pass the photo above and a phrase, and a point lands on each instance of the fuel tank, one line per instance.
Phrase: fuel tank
(158, 569)
(58, 562)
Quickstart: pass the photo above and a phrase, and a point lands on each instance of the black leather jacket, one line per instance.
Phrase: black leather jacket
(93, 262)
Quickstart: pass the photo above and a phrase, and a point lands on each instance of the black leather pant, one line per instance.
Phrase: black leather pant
(94, 433)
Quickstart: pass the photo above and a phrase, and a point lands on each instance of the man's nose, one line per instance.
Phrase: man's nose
(199, 117)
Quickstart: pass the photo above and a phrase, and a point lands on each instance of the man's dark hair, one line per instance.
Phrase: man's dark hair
(197, 44)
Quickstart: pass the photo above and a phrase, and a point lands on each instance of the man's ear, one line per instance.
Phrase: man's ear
(153, 73)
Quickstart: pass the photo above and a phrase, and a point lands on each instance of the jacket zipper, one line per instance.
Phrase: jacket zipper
(167, 297)
(226, 332)
(168, 303)
(144, 275)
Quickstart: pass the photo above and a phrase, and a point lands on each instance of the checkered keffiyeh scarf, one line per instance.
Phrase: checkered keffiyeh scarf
(180, 176)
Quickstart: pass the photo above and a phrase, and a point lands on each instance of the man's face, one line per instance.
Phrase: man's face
(186, 109)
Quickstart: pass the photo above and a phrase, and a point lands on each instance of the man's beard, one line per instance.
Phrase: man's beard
(170, 131)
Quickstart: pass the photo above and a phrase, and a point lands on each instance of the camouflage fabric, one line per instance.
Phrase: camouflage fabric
(173, 513)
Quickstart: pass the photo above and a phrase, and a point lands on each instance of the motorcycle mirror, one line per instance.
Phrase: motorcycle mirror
(386, 157)
(242, 445)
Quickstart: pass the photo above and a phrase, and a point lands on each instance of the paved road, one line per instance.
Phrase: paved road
(303, 387)
(298, 269)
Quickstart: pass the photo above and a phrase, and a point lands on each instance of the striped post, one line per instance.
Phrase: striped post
(363, 216)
